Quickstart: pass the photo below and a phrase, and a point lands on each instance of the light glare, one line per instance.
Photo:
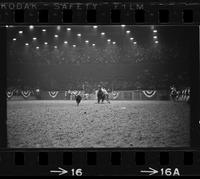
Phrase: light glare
(31, 27)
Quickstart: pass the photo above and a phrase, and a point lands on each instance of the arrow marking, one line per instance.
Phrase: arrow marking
(61, 171)
(151, 171)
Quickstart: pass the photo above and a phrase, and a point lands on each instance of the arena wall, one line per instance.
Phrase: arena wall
(69, 95)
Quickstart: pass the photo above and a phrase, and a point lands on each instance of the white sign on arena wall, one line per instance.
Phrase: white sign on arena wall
(26, 93)
(149, 93)
(53, 94)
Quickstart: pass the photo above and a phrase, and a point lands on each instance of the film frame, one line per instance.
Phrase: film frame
(101, 162)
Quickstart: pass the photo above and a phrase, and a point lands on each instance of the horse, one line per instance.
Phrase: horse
(100, 96)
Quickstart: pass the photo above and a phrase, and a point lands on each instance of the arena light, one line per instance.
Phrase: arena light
(155, 31)
(14, 39)
(114, 43)
(31, 27)
(68, 29)
(156, 42)
(58, 27)
(37, 90)
(123, 25)
(20, 32)
(74, 45)
(155, 37)
(108, 40)
(65, 42)
(45, 43)
(7, 26)
(128, 31)
(134, 43)
(131, 38)
(27, 44)
(102, 33)
(56, 36)
(95, 26)
(44, 30)
(34, 38)
(55, 47)
(93, 45)
(79, 35)
(87, 41)
(37, 48)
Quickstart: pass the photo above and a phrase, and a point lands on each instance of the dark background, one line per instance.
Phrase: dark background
(123, 66)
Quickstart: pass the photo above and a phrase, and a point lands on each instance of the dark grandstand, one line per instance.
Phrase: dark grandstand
(77, 57)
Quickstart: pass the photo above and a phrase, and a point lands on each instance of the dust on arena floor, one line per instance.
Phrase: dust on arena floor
(61, 124)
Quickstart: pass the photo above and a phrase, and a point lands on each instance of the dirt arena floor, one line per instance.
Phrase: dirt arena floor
(61, 124)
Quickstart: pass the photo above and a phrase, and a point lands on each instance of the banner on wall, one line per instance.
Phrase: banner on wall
(53, 94)
(149, 93)
(10, 93)
(26, 93)
(115, 94)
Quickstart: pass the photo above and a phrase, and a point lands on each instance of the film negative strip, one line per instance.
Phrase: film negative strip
(97, 88)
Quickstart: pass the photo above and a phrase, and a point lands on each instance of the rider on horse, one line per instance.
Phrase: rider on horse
(102, 94)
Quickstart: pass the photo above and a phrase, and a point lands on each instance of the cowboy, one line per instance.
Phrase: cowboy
(106, 94)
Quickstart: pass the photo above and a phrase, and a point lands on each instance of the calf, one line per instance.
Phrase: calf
(78, 99)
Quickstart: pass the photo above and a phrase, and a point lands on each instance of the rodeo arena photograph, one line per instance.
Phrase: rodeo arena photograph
(99, 86)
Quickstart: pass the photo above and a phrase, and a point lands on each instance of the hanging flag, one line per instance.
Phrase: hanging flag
(149, 93)
(26, 94)
(10, 93)
(53, 94)
(115, 94)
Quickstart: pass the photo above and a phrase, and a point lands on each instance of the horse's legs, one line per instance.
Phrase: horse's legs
(99, 99)
(103, 98)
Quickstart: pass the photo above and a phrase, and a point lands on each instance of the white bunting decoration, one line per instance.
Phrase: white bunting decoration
(149, 93)
(115, 94)
(10, 93)
(73, 93)
(53, 94)
(26, 94)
